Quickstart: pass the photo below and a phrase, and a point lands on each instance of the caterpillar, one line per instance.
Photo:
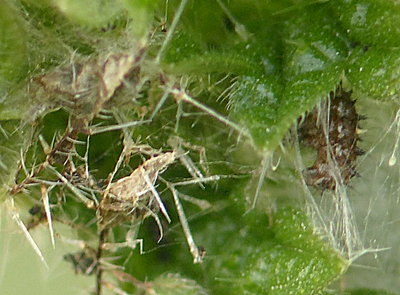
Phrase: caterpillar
(331, 129)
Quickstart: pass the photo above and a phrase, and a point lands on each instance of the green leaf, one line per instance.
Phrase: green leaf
(141, 13)
(254, 103)
(312, 67)
(93, 13)
(370, 21)
(186, 57)
(204, 22)
(251, 257)
(375, 72)
(299, 262)
(13, 49)
(272, 93)
(313, 62)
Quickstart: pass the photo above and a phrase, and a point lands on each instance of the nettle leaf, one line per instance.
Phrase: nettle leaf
(298, 262)
(94, 13)
(13, 49)
(181, 48)
(204, 22)
(142, 14)
(282, 78)
(312, 66)
(275, 85)
(370, 21)
(375, 71)
(252, 257)
(255, 103)
(187, 57)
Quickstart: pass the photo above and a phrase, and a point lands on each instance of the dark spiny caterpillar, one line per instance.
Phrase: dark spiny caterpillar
(331, 129)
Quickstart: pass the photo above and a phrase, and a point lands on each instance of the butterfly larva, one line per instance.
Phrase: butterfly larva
(331, 129)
